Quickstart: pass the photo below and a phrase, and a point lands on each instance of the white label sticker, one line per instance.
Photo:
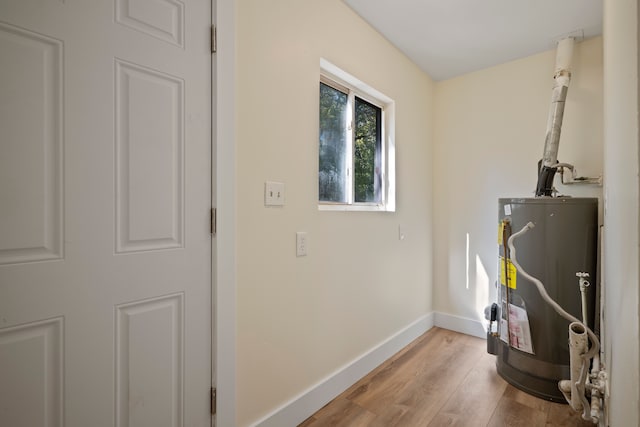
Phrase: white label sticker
(507, 210)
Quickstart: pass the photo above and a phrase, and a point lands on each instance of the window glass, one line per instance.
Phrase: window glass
(333, 145)
(366, 152)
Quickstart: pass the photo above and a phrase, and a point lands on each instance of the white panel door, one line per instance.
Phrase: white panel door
(105, 194)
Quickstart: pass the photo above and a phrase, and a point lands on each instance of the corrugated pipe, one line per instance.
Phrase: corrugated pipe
(562, 76)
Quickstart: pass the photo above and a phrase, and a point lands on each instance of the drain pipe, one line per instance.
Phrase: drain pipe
(596, 381)
(548, 165)
(573, 389)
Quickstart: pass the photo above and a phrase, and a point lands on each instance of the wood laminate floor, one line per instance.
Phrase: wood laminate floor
(443, 378)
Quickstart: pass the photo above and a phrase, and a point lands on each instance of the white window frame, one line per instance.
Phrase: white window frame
(332, 75)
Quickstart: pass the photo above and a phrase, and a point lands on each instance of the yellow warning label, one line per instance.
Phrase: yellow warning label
(512, 273)
(500, 227)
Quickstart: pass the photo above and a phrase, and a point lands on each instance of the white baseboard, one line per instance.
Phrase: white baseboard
(463, 325)
(303, 406)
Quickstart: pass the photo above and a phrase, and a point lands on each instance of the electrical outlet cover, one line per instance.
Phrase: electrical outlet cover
(301, 243)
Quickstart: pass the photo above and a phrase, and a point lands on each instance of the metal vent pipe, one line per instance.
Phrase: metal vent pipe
(547, 166)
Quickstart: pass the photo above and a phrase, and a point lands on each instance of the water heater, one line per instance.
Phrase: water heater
(531, 342)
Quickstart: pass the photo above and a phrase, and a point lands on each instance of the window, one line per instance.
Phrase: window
(355, 145)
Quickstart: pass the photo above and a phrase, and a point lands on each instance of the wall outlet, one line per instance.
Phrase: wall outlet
(301, 243)
(273, 193)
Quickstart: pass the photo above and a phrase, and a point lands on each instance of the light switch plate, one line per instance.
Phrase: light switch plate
(273, 193)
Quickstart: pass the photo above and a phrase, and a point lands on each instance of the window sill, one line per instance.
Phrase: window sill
(354, 208)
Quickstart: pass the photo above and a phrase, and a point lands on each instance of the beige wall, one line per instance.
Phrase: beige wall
(301, 319)
(621, 238)
(489, 135)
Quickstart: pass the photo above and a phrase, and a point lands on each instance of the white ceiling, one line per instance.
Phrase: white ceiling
(448, 38)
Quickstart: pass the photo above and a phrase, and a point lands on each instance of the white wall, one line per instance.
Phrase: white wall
(621, 273)
(490, 128)
(301, 319)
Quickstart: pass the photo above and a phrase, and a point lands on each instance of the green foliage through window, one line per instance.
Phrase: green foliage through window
(366, 156)
(350, 148)
(333, 135)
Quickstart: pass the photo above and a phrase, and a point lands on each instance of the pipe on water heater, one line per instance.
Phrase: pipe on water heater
(577, 348)
(562, 77)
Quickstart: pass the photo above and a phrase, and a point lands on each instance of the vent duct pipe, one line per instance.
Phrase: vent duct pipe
(549, 163)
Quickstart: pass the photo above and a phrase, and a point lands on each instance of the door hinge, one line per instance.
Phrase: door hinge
(214, 39)
(213, 401)
(214, 220)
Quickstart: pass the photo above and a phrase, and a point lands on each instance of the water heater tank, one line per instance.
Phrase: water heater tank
(563, 242)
